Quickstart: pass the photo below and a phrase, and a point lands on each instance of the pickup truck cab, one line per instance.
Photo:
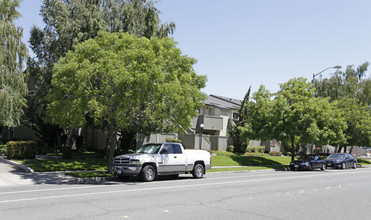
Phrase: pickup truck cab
(154, 159)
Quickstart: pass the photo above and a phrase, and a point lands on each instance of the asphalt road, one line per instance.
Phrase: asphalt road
(331, 194)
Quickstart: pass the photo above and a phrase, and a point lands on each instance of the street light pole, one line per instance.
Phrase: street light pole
(202, 128)
(334, 67)
(314, 75)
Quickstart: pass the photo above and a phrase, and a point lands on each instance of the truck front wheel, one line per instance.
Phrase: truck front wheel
(198, 171)
(148, 173)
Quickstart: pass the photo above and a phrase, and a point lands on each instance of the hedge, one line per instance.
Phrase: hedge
(21, 149)
(275, 153)
(255, 149)
(173, 140)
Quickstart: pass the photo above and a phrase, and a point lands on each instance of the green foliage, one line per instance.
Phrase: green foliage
(293, 115)
(79, 161)
(123, 82)
(364, 161)
(68, 23)
(164, 90)
(21, 149)
(352, 83)
(235, 131)
(2, 149)
(255, 149)
(350, 93)
(275, 154)
(173, 140)
(223, 153)
(243, 160)
(13, 53)
(230, 148)
(358, 122)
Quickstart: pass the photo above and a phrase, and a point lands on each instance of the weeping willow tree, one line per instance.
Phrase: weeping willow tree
(12, 56)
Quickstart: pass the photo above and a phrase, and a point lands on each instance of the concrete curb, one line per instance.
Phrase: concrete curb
(20, 166)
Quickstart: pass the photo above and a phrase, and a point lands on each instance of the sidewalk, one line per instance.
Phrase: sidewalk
(14, 174)
(10, 176)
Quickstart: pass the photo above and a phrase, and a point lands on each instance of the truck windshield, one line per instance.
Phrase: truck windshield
(149, 149)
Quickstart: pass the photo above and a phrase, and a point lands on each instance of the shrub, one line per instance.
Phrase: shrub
(230, 148)
(275, 153)
(21, 149)
(288, 154)
(2, 149)
(173, 140)
(255, 149)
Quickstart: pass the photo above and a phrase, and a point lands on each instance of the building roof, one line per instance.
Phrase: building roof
(222, 102)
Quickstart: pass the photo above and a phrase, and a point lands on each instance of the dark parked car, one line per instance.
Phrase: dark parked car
(341, 160)
(308, 162)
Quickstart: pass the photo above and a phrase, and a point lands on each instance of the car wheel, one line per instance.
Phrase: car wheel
(323, 167)
(148, 173)
(310, 167)
(354, 165)
(198, 171)
(343, 166)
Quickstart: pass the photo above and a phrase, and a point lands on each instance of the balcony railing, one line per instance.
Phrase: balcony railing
(212, 123)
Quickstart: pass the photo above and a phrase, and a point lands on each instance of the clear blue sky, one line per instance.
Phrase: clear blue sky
(239, 43)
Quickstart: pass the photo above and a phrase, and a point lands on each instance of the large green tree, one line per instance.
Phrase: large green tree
(13, 53)
(121, 81)
(358, 120)
(293, 114)
(69, 22)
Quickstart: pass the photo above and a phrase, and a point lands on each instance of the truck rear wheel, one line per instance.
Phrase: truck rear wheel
(198, 171)
(148, 173)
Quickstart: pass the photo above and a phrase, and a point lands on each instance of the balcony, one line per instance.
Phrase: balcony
(211, 123)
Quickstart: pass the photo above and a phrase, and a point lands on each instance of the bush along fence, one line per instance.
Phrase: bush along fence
(21, 149)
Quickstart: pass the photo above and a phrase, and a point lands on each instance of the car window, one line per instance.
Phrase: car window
(337, 156)
(167, 149)
(177, 149)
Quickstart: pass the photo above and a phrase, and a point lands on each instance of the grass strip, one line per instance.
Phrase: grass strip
(364, 161)
(90, 174)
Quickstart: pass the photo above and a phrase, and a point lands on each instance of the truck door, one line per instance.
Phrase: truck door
(173, 158)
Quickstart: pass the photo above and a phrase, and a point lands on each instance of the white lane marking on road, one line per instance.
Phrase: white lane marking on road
(118, 185)
(162, 188)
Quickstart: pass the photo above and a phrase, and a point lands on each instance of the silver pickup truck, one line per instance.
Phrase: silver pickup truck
(154, 159)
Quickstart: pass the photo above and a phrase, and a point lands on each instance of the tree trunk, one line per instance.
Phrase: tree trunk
(111, 147)
(340, 148)
(351, 150)
(292, 148)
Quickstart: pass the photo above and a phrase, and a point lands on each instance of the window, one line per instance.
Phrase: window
(167, 149)
(177, 149)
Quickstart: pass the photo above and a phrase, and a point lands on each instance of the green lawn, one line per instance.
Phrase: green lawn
(243, 160)
(79, 161)
(362, 161)
(95, 161)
